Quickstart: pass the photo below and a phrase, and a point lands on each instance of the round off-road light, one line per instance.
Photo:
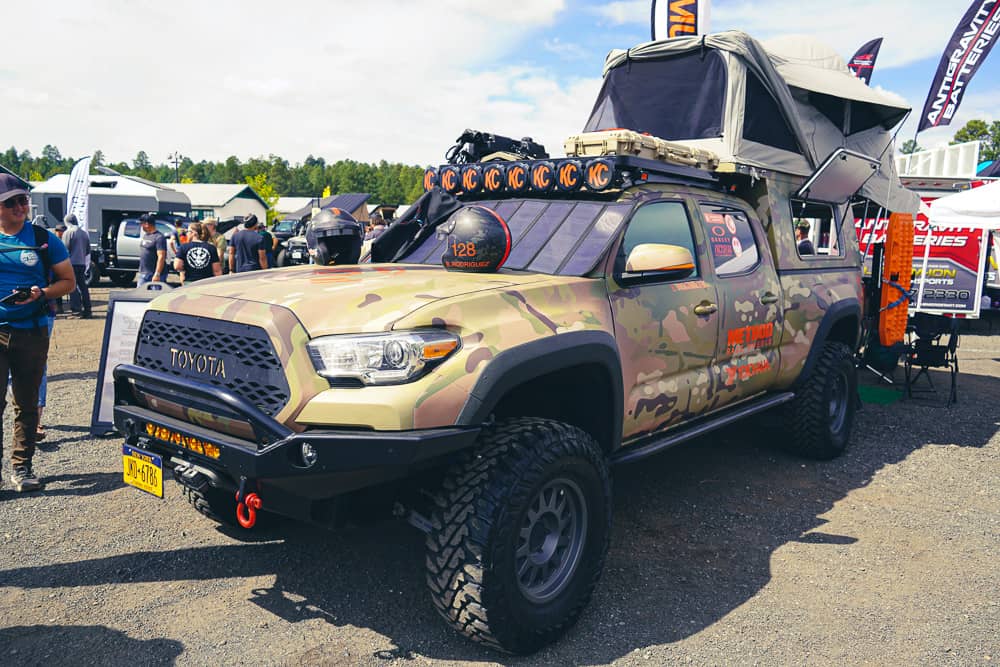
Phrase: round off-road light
(599, 174)
(450, 179)
(543, 176)
(517, 177)
(430, 179)
(494, 177)
(309, 454)
(472, 178)
(569, 175)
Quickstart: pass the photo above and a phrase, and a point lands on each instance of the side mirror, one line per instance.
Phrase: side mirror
(661, 258)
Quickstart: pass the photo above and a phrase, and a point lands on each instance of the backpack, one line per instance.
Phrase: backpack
(42, 248)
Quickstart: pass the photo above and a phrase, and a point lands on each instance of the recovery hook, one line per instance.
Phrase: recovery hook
(246, 511)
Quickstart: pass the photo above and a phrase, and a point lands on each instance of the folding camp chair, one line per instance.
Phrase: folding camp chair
(925, 349)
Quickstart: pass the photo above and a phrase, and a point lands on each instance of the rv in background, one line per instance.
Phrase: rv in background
(113, 200)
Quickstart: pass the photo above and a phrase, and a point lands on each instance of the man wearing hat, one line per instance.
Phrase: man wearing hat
(802, 238)
(77, 242)
(25, 265)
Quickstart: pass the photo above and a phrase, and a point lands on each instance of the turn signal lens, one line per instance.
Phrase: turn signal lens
(439, 350)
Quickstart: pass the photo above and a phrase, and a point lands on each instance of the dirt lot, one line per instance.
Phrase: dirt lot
(723, 552)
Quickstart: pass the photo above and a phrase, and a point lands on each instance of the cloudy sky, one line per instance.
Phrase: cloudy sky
(394, 79)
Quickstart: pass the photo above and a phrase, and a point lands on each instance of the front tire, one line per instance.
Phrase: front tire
(822, 413)
(520, 533)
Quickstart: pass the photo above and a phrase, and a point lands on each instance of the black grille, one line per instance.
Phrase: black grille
(198, 348)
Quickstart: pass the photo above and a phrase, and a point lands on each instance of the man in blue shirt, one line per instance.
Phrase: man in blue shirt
(24, 341)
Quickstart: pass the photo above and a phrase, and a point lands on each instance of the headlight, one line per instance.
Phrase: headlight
(389, 358)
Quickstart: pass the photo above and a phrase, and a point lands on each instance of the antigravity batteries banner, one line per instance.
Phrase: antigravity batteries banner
(679, 18)
(954, 278)
(863, 62)
(993, 265)
(971, 42)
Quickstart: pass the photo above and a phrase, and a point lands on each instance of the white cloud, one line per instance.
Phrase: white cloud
(396, 80)
(565, 50)
(907, 38)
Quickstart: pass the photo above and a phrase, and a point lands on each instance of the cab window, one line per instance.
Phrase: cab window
(660, 222)
(815, 228)
(730, 239)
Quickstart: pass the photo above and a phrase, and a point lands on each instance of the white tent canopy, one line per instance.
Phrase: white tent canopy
(978, 208)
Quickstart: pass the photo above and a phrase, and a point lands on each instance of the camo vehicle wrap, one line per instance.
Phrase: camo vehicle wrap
(287, 335)
(676, 364)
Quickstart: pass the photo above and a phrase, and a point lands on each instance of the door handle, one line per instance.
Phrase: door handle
(705, 308)
(768, 297)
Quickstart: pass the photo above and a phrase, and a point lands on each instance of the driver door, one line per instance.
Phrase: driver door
(666, 329)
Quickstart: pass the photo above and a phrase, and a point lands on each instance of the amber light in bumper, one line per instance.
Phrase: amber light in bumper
(186, 441)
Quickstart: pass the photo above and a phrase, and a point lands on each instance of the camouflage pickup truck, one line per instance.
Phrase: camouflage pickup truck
(640, 304)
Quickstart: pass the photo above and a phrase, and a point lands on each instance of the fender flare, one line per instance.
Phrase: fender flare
(523, 363)
(838, 312)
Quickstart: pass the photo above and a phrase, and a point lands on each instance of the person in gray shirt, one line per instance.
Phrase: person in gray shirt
(77, 242)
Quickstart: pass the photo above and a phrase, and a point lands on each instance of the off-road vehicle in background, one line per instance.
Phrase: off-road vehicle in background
(649, 292)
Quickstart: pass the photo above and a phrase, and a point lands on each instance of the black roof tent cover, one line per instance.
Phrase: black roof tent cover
(691, 87)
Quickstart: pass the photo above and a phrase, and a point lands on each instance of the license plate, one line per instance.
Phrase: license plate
(143, 470)
(297, 255)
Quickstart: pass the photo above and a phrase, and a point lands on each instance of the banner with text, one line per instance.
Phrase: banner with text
(863, 62)
(955, 267)
(968, 47)
(679, 18)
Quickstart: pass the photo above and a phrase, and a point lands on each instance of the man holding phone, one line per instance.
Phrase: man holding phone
(25, 265)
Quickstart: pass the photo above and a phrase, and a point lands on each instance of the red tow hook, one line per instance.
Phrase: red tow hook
(246, 511)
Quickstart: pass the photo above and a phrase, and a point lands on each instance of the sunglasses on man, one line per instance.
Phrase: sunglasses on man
(17, 200)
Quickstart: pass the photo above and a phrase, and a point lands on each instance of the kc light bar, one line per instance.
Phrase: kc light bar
(600, 174)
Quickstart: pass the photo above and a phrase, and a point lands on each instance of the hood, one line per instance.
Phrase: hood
(366, 298)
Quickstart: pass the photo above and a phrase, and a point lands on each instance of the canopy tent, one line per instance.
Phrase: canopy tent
(784, 106)
(978, 208)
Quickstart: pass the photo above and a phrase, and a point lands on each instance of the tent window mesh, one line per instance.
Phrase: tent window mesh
(763, 122)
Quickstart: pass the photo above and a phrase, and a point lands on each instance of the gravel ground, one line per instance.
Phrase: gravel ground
(723, 552)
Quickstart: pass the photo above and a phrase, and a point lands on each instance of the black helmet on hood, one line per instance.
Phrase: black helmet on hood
(336, 237)
(478, 240)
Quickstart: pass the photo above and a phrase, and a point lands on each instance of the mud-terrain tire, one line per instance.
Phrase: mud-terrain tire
(822, 413)
(520, 533)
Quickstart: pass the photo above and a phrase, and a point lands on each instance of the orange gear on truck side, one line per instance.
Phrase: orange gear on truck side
(896, 275)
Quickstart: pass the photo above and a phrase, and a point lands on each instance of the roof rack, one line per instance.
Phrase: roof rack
(565, 176)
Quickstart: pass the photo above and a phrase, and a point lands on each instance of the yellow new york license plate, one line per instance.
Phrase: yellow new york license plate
(143, 470)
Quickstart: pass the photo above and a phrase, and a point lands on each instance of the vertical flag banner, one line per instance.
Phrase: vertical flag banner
(968, 47)
(863, 62)
(679, 18)
(77, 192)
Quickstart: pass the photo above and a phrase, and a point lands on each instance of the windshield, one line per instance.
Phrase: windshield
(554, 237)
(285, 226)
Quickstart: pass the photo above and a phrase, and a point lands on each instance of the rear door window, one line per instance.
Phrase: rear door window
(730, 239)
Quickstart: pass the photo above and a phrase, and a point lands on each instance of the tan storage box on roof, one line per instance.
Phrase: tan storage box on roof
(629, 142)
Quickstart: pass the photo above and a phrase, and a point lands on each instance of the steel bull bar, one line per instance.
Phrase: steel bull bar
(289, 472)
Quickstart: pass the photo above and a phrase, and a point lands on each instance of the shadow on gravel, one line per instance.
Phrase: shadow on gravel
(695, 530)
(87, 375)
(83, 645)
(83, 484)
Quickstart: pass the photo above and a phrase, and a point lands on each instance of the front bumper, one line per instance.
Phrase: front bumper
(266, 453)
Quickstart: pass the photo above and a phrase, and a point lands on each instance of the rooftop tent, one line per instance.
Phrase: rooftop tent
(784, 108)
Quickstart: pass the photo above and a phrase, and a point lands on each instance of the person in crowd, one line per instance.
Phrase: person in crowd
(77, 242)
(198, 258)
(152, 253)
(270, 241)
(802, 238)
(178, 237)
(24, 340)
(246, 248)
(216, 239)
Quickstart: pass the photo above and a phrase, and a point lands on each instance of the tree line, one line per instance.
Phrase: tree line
(388, 182)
